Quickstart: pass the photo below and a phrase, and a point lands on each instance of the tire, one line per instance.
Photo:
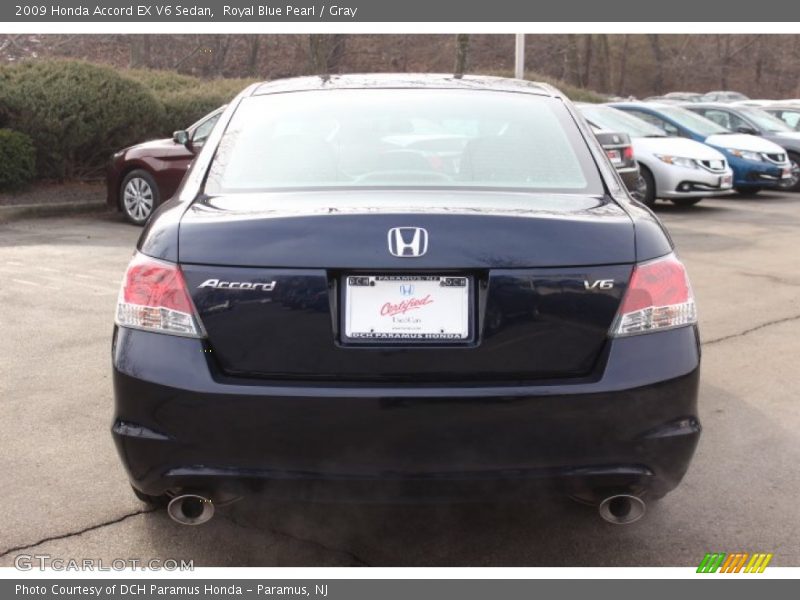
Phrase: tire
(795, 160)
(649, 191)
(685, 201)
(638, 193)
(139, 196)
(748, 191)
(151, 500)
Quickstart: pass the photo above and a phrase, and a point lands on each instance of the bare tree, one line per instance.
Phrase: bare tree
(462, 55)
(219, 46)
(658, 66)
(623, 64)
(254, 47)
(325, 52)
(605, 66)
(573, 60)
(140, 52)
(588, 54)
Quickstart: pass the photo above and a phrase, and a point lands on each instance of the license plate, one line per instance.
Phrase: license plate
(726, 181)
(407, 307)
(786, 173)
(615, 156)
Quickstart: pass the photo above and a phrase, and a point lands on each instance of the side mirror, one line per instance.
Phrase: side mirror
(747, 130)
(181, 137)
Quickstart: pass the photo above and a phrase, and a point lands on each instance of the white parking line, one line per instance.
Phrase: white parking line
(26, 282)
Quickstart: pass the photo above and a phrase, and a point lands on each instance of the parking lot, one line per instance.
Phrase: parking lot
(65, 493)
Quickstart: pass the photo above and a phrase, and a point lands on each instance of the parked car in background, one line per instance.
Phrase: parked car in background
(757, 163)
(723, 96)
(788, 113)
(759, 103)
(519, 324)
(676, 169)
(684, 96)
(141, 177)
(619, 150)
(754, 121)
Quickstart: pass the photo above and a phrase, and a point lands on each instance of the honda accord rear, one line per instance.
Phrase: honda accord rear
(404, 288)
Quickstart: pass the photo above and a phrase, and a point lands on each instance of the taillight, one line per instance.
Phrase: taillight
(154, 298)
(658, 297)
(627, 153)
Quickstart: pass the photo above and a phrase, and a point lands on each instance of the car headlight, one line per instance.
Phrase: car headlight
(678, 161)
(746, 154)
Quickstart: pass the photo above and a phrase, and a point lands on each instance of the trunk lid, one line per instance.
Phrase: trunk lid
(544, 274)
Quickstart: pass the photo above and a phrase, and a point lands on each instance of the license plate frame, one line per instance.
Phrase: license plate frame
(399, 309)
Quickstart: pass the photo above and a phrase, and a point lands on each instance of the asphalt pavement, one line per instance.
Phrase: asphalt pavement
(64, 492)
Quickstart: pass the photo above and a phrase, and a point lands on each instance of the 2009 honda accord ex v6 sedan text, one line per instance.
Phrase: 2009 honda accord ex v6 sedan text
(397, 287)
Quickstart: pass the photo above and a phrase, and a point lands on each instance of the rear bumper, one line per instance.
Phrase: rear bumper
(178, 424)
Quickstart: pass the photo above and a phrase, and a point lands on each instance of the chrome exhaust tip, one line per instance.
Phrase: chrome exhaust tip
(190, 509)
(622, 509)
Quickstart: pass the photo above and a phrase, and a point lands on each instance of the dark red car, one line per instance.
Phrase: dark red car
(141, 177)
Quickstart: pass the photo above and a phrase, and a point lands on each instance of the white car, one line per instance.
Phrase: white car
(673, 168)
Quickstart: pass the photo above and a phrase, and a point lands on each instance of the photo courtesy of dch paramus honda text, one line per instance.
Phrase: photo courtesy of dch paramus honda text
(404, 287)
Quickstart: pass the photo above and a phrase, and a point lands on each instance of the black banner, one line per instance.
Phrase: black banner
(393, 589)
(372, 11)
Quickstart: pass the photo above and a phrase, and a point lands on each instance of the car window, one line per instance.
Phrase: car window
(402, 138)
(203, 130)
(692, 121)
(658, 122)
(791, 118)
(764, 120)
(723, 118)
(612, 119)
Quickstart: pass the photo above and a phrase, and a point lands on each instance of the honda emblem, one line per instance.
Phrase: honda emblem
(408, 242)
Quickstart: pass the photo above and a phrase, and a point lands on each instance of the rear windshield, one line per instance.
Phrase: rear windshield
(402, 138)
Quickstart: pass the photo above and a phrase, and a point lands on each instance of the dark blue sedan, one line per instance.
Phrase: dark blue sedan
(404, 287)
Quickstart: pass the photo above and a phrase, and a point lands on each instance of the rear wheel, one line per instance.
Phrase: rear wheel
(649, 190)
(685, 201)
(139, 194)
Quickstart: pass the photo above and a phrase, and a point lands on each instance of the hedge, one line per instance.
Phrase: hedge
(76, 113)
(185, 98)
(17, 160)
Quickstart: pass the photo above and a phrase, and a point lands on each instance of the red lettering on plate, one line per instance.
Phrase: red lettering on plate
(389, 309)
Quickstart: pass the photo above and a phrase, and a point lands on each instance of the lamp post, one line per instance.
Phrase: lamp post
(519, 56)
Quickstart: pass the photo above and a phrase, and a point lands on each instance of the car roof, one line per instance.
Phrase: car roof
(720, 105)
(404, 81)
(641, 104)
(723, 106)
